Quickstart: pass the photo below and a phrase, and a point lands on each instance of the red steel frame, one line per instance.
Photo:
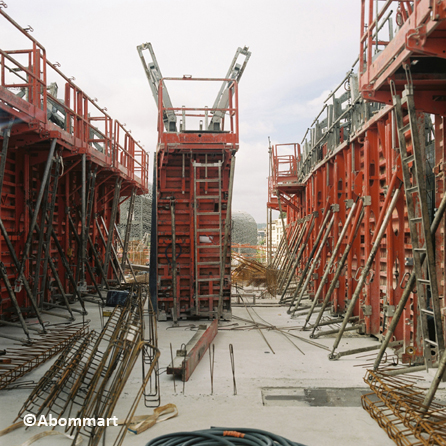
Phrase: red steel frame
(175, 182)
(419, 43)
(367, 165)
(362, 167)
(84, 129)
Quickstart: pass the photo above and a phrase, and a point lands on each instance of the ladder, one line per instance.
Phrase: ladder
(208, 235)
(413, 160)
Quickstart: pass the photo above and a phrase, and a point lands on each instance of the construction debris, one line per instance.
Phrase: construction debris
(141, 423)
(250, 272)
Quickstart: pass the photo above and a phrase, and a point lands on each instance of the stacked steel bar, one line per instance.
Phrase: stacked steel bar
(64, 166)
(89, 376)
(396, 404)
(250, 272)
(24, 359)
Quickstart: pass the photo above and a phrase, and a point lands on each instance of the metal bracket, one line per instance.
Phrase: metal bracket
(367, 200)
(389, 310)
(367, 310)
(335, 207)
(18, 286)
(348, 203)
(408, 261)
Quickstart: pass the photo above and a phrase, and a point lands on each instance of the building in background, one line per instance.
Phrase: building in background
(142, 216)
(243, 232)
(276, 232)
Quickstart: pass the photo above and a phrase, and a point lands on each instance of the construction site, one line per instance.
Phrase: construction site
(138, 306)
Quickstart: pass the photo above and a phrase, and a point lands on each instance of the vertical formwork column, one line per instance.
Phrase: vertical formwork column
(440, 190)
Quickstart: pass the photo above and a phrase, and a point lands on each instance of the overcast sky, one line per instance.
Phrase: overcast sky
(301, 49)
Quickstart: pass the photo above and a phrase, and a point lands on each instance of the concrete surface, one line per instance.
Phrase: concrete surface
(285, 366)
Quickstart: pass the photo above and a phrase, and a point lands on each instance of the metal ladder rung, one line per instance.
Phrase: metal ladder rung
(208, 180)
(208, 213)
(417, 172)
(208, 230)
(405, 128)
(209, 279)
(208, 263)
(208, 246)
(217, 164)
(209, 295)
(207, 196)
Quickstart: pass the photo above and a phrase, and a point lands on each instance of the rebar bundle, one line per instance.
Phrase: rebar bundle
(250, 272)
(89, 376)
(45, 347)
(396, 403)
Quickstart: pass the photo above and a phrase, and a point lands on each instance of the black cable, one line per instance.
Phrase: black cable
(217, 436)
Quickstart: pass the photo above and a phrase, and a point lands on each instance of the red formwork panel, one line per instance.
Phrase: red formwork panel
(193, 196)
(352, 152)
(364, 166)
(401, 35)
(42, 128)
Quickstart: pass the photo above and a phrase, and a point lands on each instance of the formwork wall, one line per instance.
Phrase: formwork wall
(191, 270)
(351, 154)
(175, 183)
(68, 158)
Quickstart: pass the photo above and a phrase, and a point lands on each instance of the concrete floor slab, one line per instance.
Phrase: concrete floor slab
(268, 360)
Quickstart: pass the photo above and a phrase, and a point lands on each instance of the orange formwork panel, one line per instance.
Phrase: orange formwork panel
(193, 193)
(360, 162)
(190, 273)
(65, 167)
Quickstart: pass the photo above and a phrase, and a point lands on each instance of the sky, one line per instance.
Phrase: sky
(301, 50)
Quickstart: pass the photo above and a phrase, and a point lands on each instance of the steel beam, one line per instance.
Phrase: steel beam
(188, 357)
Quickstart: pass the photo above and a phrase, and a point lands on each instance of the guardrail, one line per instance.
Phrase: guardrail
(29, 92)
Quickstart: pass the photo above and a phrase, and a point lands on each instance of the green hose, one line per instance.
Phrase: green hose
(217, 436)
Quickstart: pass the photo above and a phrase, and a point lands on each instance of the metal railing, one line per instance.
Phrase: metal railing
(29, 91)
(343, 115)
(189, 117)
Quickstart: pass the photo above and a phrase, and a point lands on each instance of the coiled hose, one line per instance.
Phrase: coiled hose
(217, 436)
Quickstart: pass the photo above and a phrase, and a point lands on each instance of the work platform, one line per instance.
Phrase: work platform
(66, 166)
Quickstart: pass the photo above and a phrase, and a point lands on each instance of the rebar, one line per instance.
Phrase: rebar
(396, 404)
(231, 355)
